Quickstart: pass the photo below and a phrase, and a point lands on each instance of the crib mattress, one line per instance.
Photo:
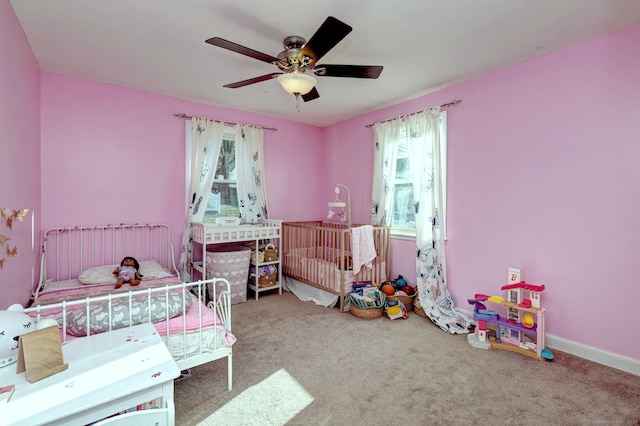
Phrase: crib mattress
(326, 273)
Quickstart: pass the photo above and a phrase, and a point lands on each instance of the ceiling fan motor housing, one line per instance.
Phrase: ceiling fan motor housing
(290, 59)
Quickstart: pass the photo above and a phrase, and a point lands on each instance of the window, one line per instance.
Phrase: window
(403, 212)
(403, 222)
(223, 200)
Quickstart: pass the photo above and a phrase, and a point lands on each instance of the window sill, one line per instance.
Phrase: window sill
(403, 234)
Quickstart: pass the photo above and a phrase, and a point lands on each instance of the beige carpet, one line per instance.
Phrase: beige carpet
(296, 363)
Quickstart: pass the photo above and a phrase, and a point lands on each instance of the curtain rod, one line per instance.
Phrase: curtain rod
(452, 103)
(228, 123)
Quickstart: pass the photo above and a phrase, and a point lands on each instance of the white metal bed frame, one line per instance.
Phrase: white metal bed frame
(221, 307)
(67, 251)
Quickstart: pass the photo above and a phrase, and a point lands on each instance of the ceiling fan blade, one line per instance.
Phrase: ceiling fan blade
(355, 71)
(325, 38)
(313, 94)
(251, 81)
(234, 47)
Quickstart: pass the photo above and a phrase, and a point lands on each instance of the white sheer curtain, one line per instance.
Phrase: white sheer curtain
(252, 188)
(427, 178)
(385, 153)
(423, 142)
(203, 146)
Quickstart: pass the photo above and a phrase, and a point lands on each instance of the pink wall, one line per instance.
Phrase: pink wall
(19, 157)
(351, 158)
(112, 154)
(542, 176)
(540, 173)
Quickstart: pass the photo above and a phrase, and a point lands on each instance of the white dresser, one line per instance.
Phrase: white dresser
(108, 373)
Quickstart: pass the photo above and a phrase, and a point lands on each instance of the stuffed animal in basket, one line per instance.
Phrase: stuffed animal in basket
(13, 323)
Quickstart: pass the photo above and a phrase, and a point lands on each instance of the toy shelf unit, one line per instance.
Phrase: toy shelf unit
(267, 232)
(521, 330)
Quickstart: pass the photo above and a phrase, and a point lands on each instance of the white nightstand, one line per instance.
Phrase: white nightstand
(108, 373)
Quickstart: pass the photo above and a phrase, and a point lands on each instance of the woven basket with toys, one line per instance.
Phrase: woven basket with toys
(417, 308)
(267, 275)
(400, 290)
(369, 304)
(270, 253)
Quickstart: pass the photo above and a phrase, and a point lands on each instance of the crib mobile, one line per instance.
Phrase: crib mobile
(345, 215)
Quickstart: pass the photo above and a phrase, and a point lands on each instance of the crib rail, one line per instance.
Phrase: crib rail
(319, 253)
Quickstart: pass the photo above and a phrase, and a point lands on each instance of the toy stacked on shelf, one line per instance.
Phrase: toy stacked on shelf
(522, 330)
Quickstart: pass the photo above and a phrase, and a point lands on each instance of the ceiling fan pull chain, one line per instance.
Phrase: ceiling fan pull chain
(297, 95)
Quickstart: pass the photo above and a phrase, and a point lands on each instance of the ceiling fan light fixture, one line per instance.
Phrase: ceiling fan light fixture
(297, 82)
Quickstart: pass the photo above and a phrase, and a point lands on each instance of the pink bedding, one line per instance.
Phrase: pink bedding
(74, 289)
(192, 317)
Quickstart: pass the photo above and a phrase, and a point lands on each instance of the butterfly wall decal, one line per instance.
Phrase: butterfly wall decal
(10, 215)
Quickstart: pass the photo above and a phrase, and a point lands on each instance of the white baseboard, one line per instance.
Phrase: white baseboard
(593, 354)
(587, 352)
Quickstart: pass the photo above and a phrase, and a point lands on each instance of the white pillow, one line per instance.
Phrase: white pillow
(150, 269)
(99, 275)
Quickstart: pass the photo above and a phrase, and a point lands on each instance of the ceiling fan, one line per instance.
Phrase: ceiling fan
(298, 60)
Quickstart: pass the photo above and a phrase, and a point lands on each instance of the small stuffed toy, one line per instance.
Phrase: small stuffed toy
(13, 323)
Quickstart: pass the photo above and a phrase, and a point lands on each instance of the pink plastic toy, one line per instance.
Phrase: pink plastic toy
(521, 329)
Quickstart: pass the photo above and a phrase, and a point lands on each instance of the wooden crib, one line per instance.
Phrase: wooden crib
(318, 253)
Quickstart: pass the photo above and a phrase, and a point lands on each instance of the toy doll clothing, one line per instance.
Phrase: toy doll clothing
(127, 273)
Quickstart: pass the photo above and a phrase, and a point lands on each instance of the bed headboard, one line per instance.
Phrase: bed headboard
(68, 251)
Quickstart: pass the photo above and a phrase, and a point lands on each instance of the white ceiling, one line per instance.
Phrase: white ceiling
(158, 45)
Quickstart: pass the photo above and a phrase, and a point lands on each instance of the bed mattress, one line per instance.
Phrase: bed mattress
(58, 291)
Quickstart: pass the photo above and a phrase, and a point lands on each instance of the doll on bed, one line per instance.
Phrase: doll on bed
(128, 272)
